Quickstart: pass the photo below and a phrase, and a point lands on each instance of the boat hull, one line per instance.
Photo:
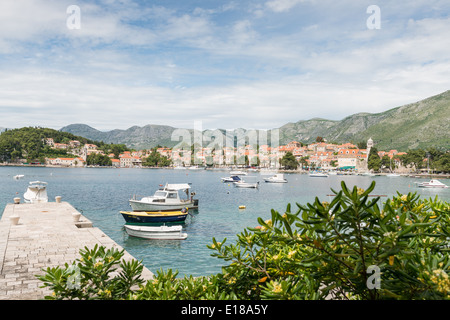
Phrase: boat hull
(246, 185)
(156, 233)
(432, 184)
(143, 206)
(275, 181)
(36, 193)
(154, 218)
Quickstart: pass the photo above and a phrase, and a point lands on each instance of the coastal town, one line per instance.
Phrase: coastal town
(323, 155)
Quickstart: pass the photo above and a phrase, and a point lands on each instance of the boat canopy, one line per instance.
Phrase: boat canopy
(177, 186)
(38, 182)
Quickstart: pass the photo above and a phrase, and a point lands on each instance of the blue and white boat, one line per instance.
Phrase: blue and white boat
(166, 199)
(231, 179)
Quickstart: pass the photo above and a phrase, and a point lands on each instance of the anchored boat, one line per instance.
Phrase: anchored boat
(154, 217)
(166, 199)
(277, 178)
(36, 192)
(432, 184)
(231, 179)
(318, 174)
(156, 233)
(243, 184)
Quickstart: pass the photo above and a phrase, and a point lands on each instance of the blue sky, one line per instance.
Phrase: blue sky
(229, 64)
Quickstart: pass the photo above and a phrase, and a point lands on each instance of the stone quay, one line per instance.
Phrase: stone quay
(36, 236)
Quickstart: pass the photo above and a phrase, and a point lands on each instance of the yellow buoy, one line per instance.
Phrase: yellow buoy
(241, 207)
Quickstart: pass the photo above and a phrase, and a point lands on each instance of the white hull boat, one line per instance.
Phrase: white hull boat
(156, 233)
(432, 184)
(19, 176)
(36, 192)
(231, 179)
(393, 175)
(243, 184)
(238, 173)
(196, 168)
(318, 174)
(166, 199)
(277, 178)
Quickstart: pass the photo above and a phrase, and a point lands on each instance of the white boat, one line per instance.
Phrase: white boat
(231, 179)
(238, 173)
(19, 176)
(243, 184)
(277, 178)
(195, 168)
(36, 192)
(318, 174)
(166, 199)
(432, 184)
(393, 175)
(156, 233)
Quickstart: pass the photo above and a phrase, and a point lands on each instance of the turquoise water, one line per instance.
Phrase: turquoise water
(101, 193)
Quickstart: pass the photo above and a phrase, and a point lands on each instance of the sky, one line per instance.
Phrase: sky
(255, 64)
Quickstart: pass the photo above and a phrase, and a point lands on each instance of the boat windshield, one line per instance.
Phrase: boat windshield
(161, 194)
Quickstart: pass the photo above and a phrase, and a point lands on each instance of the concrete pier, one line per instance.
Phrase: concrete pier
(46, 235)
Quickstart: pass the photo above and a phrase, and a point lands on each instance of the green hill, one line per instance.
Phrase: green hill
(418, 125)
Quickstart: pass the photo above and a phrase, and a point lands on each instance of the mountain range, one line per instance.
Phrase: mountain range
(422, 124)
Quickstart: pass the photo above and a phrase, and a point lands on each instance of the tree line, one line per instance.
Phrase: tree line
(29, 143)
(433, 159)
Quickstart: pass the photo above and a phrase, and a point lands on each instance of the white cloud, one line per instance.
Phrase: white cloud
(134, 65)
(282, 5)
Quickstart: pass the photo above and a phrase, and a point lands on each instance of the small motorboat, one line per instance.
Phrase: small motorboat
(36, 192)
(393, 175)
(432, 184)
(277, 178)
(238, 173)
(156, 233)
(318, 174)
(166, 199)
(243, 184)
(154, 217)
(231, 179)
(19, 176)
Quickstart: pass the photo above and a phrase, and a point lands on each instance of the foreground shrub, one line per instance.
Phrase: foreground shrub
(351, 248)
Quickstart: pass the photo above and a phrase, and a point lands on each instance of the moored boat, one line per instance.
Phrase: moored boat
(231, 179)
(166, 199)
(318, 174)
(277, 178)
(238, 173)
(36, 192)
(243, 184)
(392, 175)
(154, 217)
(433, 183)
(156, 233)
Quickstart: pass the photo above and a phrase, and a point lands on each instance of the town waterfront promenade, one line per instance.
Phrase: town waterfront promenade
(45, 236)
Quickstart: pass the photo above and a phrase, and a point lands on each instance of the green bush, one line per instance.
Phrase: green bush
(351, 248)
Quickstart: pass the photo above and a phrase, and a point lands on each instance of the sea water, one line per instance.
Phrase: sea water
(101, 193)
